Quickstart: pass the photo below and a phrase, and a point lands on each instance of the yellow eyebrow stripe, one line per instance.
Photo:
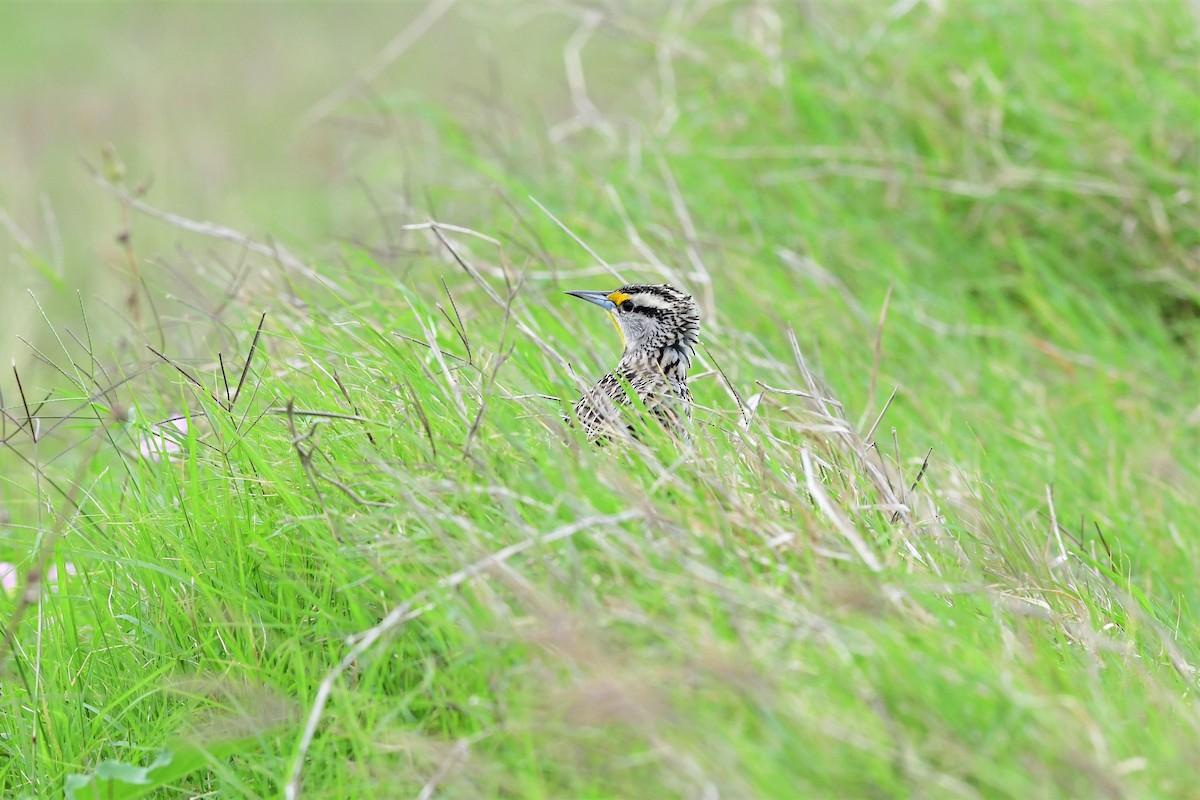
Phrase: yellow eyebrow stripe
(618, 297)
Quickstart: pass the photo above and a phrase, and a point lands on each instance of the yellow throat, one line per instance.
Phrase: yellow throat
(617, 325)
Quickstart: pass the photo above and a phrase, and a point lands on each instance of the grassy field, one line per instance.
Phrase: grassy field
(332, 538)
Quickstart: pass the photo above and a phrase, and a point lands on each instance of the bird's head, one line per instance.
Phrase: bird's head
(651, 317)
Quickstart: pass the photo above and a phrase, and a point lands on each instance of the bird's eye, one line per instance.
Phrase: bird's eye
(627, 305)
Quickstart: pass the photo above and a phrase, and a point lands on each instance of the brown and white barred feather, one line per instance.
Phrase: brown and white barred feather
(662, 328)
(600, 408)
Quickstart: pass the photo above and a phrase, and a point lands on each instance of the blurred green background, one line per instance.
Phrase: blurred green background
(206, 104)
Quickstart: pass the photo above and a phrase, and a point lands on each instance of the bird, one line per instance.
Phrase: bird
(660, 328)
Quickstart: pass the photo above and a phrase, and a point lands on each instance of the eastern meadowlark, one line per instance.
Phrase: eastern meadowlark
(660, 328)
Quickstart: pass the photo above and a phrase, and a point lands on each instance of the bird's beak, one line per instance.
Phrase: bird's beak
(599, 298)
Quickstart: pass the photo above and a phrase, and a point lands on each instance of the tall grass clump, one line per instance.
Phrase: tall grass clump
(332, 534)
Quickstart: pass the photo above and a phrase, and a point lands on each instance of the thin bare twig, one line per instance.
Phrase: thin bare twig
(215, 231)
(457, 754)
(835, 515)
(878, 356)
(587, 115)
(871, 433)
(378, 63)
(562, 226)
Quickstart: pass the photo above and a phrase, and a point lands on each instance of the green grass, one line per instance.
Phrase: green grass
(1013, 182)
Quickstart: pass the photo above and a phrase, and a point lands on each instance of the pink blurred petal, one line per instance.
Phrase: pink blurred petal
(164, 440)
(8, 576)
(10, 580)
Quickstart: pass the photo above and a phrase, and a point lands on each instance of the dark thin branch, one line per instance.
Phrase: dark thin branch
(180, 370)
(357, 498)
(431, 347)
(1103, 541)
(305, 456)
(460, 328)
(337, 379)
(249, 359)
(299, 412)
(916, 480)
(32, 431)
(741, 404)
(412, 392)
(225, 380)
